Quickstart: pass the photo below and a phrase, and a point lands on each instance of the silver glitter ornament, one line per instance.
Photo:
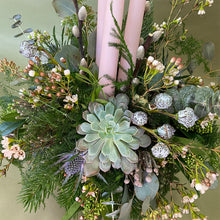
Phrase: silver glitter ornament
(187, 117)
(139, 118)
(166, 131)
(160, 150)
(163, 101)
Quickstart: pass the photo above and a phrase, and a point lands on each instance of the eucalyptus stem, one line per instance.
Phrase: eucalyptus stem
(80, 24)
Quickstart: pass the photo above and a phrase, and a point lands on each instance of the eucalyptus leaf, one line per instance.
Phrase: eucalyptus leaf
(125, 210)
(16, 17)
(216, 103)
(109, 203)
(187, 95)
(201, 110)
(16, 24)
(18, 35)
(92, 45)
(148, 189)
(209, 50)
(177, 102)
(113, 214)
(203, 95)
(28, 30)
(146, 204)
(192, 66)
(8, 127)
(71, 54)
(64, 8)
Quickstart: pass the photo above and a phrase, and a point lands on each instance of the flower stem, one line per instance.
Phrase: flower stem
(80, 24)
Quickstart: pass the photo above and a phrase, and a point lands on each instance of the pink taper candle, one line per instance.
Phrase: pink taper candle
(109, 55)
(132, 33)
(100, 26)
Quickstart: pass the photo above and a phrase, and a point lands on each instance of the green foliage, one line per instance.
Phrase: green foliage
(66, 193)
(148, 21)
(37, 185)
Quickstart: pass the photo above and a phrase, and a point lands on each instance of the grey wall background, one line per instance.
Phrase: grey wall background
(39, 14)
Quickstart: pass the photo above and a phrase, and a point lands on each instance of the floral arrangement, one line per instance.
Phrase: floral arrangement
(107, 118)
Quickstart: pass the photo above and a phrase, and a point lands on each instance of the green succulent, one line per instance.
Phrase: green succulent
(110, 140)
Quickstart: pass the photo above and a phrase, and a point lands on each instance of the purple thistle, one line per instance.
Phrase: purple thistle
(73, 163)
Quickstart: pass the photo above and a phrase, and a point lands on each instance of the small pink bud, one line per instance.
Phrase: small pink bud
(180, 66)
(178, 61)
(173, 59)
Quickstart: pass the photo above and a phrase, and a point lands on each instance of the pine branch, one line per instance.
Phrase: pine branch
(123, 46)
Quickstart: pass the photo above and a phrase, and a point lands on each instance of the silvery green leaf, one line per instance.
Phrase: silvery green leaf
(109, 203)
(216, 103)
(91, 107)
(92, 45)
(145, 141)
(16, 24)
(91, 118)
(119, 190)
(126, 166)
(177, 101)
(103, 158)
(146, 205)
(64, 8)
(201, 110)
(114, 155)
(91, 169)
(125, 210)
(102, 178)
(98, 108)
(16, 17)
(105, 167)
(209, 50)
(113, 214)
(135, 143)
(109, 108)
(118, 115)
(18, 35)
(187, 95)
(192, 65)
(91, 137)
(28, 30)
(122, 98)
(84, 128)
(81, 145)
(148, 189)
(95, 148)
(107, 147)
(95, 126)
(71, 54)
(126, 138)
(203, 94)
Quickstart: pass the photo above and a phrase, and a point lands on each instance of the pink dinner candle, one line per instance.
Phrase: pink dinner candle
(132, 33)
(100, 26)
(109, 55)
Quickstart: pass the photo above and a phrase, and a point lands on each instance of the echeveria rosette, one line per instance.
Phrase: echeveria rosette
(109, 138)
